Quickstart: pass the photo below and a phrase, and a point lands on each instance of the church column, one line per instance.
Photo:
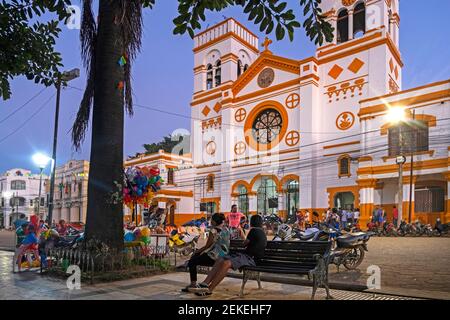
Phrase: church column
(406, 192)
(367, 199)
(252, 203)
(282, 210)
(350, 25)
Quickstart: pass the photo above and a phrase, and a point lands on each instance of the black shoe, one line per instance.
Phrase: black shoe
(203, 293)
(189, 287)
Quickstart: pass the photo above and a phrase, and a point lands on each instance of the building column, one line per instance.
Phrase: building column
(406, 192)
(282, 210)
(252, 203)
(350, 25)
(366, 200)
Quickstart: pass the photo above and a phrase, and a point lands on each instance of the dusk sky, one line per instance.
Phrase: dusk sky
(163, 79)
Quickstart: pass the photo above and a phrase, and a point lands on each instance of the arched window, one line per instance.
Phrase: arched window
(218, 76)
(170, 176)
(243, 199)
(209, 77)
(210, 182)
(342, 26)
(239, 68)
(18, 185)
(344, 166)
(359, 21)
(292, 201)
(267, 197)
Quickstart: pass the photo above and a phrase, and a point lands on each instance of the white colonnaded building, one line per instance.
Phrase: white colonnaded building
(275, 134)
(19, 194)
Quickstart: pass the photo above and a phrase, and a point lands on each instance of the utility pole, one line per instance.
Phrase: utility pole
(412, 167)
(400, 161)
(65, 76)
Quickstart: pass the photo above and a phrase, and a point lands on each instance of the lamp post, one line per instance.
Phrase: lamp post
(66, 77)
(41, 160)
(396, 116)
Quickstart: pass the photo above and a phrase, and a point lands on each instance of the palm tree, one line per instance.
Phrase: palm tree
(117, 33)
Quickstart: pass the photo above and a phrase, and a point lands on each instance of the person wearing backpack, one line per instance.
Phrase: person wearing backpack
(217, 246)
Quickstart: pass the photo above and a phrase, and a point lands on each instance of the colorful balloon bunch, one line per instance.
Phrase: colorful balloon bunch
(140, 185)
(139, 234)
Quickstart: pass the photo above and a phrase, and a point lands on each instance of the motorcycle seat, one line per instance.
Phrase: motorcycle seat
(349, 239)
(306, 237)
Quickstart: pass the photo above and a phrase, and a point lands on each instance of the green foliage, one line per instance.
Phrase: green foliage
(29, 49)
(268, 14)
(167, 144)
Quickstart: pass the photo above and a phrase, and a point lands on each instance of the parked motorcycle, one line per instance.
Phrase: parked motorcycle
(184, 243)
(440, 228)
(389, 230)
(272, 222)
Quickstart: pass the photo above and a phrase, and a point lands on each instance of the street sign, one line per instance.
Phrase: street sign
(400, 160)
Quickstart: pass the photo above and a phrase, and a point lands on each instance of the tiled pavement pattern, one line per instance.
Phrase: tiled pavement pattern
(31, 285)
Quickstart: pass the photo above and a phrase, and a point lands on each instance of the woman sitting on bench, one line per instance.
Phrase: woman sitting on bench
(217, 246)
(255, 245)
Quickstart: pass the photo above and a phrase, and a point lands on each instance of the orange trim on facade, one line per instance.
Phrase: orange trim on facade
(430, 153)
(349, 44)
(289, 177)
(332, 192)
(430, 85)
(223, 37)
(261, 175)
(384, 107)
(393, 168)
(209, 98)
(387, 41)
(176, 193)
(430, 120)
(341, 145)
(238, 183)
(263, 61)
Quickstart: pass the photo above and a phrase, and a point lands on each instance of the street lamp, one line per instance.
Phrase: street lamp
(66, 77)
(397, 115)
(41, 160)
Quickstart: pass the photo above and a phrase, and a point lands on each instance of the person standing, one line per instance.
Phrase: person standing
(234, 222)
(395, 216)
(344, 219)
(356, 216)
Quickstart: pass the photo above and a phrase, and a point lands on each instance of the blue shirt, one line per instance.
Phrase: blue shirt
(30, 239)
(19, 222)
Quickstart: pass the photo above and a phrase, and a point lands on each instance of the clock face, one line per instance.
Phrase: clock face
(267, 126)
(266, 77)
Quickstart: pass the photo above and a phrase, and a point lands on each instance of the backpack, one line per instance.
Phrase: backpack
(221, 246)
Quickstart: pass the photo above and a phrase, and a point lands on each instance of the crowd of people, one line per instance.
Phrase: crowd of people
(336, 217)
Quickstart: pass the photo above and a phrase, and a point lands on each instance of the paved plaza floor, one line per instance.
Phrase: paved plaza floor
(416, 267)
(30, 285)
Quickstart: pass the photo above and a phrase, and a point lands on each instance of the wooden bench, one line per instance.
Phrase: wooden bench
(291, 257)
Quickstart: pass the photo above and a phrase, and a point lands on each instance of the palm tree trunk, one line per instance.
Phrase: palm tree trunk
(104, 218)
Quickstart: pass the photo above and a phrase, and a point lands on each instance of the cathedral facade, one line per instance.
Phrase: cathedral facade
(275, 134)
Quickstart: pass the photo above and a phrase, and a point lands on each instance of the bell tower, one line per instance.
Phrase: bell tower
(368, 31)
(222, 53)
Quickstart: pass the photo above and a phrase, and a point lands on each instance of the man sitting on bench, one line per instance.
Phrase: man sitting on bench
(255, 245)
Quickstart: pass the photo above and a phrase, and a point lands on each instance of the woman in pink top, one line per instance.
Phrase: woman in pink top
(234, 222)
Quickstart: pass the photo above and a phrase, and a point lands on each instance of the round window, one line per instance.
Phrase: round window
(267, 126)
